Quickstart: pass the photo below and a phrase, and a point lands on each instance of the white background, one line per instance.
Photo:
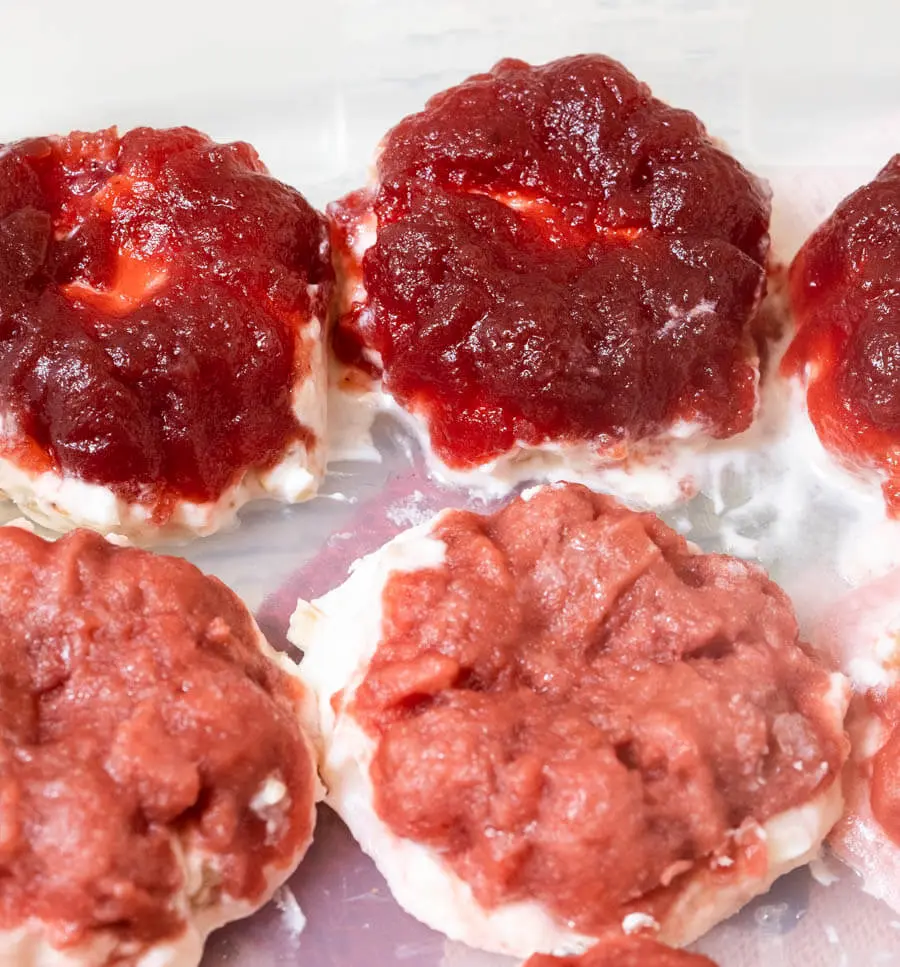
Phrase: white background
(314, 85)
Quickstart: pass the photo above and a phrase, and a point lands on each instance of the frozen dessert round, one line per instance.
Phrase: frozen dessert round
(555, 272)
(155, 782)
(514, 719)
(163, 304)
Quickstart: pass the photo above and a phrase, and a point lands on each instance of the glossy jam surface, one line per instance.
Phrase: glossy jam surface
(154, 296)
(137, 713)
(542, 702)
(624, 952)
(559, 257)
(845, 296)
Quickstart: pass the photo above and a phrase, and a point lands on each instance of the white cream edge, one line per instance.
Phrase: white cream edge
(339, 634)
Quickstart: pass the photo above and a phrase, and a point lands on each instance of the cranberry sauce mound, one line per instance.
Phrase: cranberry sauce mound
(625, 952)
(845, 296)
(556, 258)
(572, 708)
(154, 780)
(162, 302)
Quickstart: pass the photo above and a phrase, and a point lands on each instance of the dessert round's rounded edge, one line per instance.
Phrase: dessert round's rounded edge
(339, 633)
(326, 670)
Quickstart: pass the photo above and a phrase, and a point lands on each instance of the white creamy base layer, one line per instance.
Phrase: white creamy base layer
(29, 946)
(657, 473)
(61, 503)
(339, 634)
